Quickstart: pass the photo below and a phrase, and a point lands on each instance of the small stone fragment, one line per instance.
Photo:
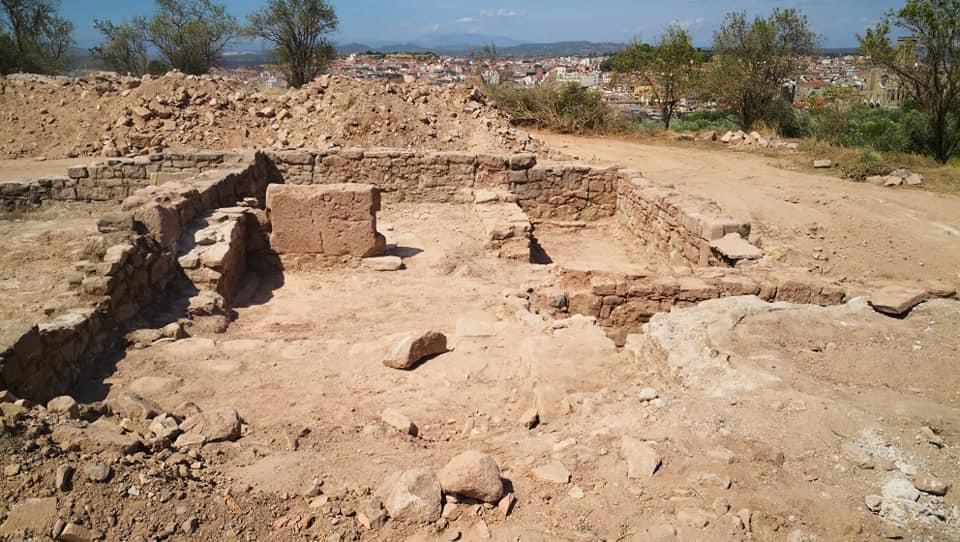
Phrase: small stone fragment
(530, 418)
(64, 477)
(900, 488)
(473, 474)
(647, 395)
(373, 517)
(96, 471)
(506, 504)
(399, 421)
(554, 473)
(931, 485)
(415, 497)
(218, 425)
(64, 405)
(383, 263)
(409, 350)
(483, 531)
(873, 502)
(642, 459)
(75, 533)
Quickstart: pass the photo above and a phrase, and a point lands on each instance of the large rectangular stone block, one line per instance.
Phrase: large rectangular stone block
(328, 219)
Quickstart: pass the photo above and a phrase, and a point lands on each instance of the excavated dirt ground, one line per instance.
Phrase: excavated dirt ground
(773, 422)
(769, 414)
(40, 249)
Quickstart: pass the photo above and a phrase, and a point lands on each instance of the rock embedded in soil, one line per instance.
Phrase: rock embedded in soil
(96, 471)
(553, 473)
(900, 488)
(218, 425)
(931, 485)
(896, 300)
(475, 475)
(414, 497)
(410, 349)
(399, 421)
(383, 263)
(64, 405)
(530, 418)
(64, 477)
(642, 459)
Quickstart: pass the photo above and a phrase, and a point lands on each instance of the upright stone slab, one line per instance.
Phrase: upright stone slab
(325, 219)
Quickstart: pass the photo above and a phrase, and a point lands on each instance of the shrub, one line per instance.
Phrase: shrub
(886, 130)
(565, 108)
(720, 121)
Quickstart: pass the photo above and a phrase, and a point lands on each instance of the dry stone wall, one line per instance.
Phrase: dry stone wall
(679, 226)
(112, 180)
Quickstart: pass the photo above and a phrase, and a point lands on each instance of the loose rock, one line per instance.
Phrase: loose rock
(554, 473)
(415, 497)
(399, 421)
(473, 474)
(642, 459)
(408, 350)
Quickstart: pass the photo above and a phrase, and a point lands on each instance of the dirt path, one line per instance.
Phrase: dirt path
(863, 230)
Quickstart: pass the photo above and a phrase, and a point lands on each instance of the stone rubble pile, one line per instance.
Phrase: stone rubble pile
(107, 115)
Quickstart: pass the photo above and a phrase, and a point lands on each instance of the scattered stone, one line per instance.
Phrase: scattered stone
(191, 525)
(11, 470)
(647, 394)
(409, 350)
(399, 421)
(576, 492)
(506, 504)
(642, 459)
(722, 455)
(931, 485)
(530, 418)
(553, 473)
(64, 477)
(822, 164)
(218, 425)
(96, 471)
(65, 405)
(734, 247)
(75, 533)
(873, 502)
(7, 397)
(931, 437)
(451, 511)
(383, 263)
(102, 435)
(373, 517)
(135, 406)
(695, 517)
(189, 440)
(473, 474)
(914, 179)
(900, 488)
(115, 222)
(415, 497)
(896, 300)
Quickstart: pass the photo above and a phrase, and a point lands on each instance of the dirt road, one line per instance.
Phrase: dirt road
(863, 230)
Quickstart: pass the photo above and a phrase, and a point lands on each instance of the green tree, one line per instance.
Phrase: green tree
(753, 59)
(33, 38)
(189, 34)
(927, 62)
(299, 30)
(672, 68)
(124, 49)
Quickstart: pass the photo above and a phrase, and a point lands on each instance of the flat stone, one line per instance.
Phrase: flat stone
(553, 473)
(734, 247)
(100, 436)
(383, 263)
(892, 180)
(473, 474)
(647, 394)
(410, 349)
(822, 164)
(695, 517)
(222, 424)
(642, 459)
(931, 485)
(900, 488)
(399, 421)
(37, 515)
(415, 497)
(76, 533)
(897, 300)
(372, 516)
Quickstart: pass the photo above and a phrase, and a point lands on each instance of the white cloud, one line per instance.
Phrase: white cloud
(687, 24)
(502, 13)
(466, 20)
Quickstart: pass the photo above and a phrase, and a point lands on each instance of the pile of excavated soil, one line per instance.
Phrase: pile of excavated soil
(108, 115)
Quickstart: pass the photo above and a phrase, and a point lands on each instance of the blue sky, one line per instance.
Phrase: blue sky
(379, 21)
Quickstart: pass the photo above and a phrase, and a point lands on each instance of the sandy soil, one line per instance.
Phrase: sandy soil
(40, 248)
(756, 431)
(864, 231)
(16, 170)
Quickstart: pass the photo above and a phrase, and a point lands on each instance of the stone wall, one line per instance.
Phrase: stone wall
(559, 192)
(39, 362)
(680, 226)
(114, 179)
